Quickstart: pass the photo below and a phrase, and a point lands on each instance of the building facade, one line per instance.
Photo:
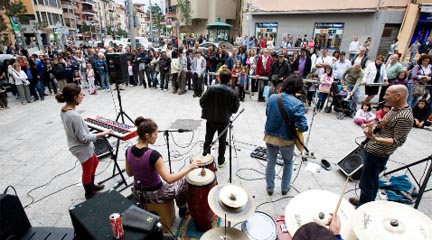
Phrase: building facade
(332, 24)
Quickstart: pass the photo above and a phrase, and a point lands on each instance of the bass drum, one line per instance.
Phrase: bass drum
(260, 226)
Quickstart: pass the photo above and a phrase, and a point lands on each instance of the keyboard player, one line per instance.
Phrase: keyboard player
(79, 139)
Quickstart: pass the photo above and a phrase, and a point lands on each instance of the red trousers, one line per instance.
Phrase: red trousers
(89, 169)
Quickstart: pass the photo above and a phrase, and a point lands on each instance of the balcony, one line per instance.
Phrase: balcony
(88, 12)
(68, 15)
(88, 2)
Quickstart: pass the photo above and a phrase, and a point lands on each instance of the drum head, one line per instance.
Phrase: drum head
(233, 196)
(205, 160)
(196, 178)
(260, 227)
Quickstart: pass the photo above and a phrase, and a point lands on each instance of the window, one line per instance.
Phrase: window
(35, 2)
(44, 18)
(56, 18)
(328, 35)
(40, 2)
(266, 29)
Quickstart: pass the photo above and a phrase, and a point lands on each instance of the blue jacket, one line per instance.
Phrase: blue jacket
(275, 124)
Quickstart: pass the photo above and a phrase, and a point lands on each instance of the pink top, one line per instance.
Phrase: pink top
(325, 83)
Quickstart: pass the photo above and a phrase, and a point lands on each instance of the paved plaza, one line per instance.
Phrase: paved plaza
(36, 161)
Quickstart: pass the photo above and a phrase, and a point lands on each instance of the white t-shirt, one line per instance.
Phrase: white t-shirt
(320, 60)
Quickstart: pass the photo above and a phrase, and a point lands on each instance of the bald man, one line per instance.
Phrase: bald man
(392, 133)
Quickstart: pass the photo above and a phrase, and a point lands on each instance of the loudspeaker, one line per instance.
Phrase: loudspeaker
(117, 68)
(90, 219)
(13, 220)
(352, 164)
(101, 147)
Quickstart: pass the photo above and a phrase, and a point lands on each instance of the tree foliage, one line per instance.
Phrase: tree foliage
(12, 8)
(157, 16)
(185, 10)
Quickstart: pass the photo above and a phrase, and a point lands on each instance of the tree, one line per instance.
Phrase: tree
(13, 8)
(157, 16)
(185, 11)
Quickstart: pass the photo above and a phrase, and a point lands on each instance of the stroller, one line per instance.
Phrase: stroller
(342, 105)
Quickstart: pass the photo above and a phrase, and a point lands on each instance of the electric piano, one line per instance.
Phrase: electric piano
(120, 130)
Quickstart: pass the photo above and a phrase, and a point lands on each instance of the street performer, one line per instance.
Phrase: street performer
(390, 134)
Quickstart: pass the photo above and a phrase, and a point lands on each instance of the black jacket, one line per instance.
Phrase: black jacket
(283, 70)
(307, 67)
(218, 103)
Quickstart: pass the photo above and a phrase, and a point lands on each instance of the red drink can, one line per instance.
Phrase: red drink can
(117, 225)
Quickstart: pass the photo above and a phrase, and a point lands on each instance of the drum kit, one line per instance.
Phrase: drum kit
(374, 220)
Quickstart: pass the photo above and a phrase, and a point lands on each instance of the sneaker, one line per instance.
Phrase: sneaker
(354, 201)
(285, 192)
(165, 90)
(269, 192)
(326, 165)
(221, 163)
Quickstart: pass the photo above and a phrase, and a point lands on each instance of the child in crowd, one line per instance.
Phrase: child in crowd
(401, 78)
(91, 79)
(364, 117)
(130, 72)
(76, 77)
(324, 87)
(421, 114)
(242, 83)
(382, 112)
(344, 92)
(236, 70)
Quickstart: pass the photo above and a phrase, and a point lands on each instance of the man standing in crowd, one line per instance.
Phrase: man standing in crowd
(278, 72)
(340, 67)
(303, 64)
(425, 47)
(397, 123)
(323, 61)
(278, 136)
(393, 68)
(218, 103)
(198, 71)
(354, 48)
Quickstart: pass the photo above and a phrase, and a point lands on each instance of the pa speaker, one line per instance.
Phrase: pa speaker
(117, 68)
(13, 220)
(102, 147)
(352, 164)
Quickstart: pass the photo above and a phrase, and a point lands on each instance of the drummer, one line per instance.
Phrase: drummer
(313, 230)
(147, 167)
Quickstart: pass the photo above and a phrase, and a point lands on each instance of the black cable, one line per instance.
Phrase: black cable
(169, 229)
(43, 185)
(188, 145)
(7, 188)
(273, 201)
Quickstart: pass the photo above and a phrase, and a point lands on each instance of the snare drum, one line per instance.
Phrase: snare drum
(260, 227)
(199, 187)
(207, 161)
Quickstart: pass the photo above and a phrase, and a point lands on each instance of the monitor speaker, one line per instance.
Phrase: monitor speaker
(102, 147)
(13, 220)
(117, 68)
(352, 164)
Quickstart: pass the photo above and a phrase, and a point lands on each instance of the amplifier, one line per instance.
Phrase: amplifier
(261, 154)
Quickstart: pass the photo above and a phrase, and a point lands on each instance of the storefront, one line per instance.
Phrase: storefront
(266, 29)
(328, 35)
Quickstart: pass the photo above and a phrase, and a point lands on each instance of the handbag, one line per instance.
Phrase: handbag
(418, 90)
(137, 218)
(141, 66)
(299, 139)
(266, 91)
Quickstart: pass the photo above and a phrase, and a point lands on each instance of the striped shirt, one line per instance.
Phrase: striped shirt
(398, 127)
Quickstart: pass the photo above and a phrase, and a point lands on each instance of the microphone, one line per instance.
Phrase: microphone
(180, 130)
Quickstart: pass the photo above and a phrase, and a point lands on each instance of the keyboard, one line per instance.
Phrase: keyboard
(120, 130)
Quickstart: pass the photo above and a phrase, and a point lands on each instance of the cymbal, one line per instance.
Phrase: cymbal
(219, 233)
(233, 196)
(316, 206)
(229, 213)
(390, 220)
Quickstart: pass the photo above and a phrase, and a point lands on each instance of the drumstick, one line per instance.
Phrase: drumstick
(341, 197)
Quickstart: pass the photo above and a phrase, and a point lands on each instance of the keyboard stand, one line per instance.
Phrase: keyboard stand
(114, 156)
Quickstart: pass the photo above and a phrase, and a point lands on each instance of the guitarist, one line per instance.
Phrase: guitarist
(278, 136)
(380, 144)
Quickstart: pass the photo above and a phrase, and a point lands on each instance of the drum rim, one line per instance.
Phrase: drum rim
(211, 159)
(274, 231)
(208, 171)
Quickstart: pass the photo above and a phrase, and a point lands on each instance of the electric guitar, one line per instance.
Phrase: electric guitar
(371, 129)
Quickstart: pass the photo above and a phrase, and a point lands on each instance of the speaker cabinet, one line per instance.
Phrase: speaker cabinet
(91, 218)
(101, 147)
(352, 164)
(117, 68)
(13, 220)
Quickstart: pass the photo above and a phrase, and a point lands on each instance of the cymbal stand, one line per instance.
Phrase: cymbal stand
(227, 128)
(166, 135)
(422, 186)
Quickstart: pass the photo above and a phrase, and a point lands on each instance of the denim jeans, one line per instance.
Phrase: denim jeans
(287, 155)
(355, 96)
(154, 78)
(372, 166)
(164, 79)
(321, 100)
(104, 80)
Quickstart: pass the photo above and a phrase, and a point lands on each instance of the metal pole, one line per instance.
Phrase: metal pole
(75, 21)
(151, 20)
(131, 24)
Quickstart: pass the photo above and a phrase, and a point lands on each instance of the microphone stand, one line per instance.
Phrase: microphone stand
(227, 128)
(166, 135)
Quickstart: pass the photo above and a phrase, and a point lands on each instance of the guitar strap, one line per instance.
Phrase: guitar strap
(287, 121)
